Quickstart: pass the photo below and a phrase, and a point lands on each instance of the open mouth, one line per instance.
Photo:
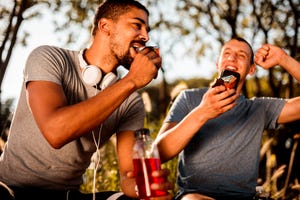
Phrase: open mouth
(138, 46)
(231, 68)
(139, 49)
(151, 48)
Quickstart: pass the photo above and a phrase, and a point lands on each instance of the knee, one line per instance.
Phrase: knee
(195, 196)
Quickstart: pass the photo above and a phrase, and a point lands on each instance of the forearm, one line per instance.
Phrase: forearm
(291, 65)
(173, 139)
(61, 123)
(269, 56)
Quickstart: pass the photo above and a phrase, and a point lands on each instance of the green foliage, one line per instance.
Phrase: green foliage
(172, 166)
(107, 176)
(5, 120)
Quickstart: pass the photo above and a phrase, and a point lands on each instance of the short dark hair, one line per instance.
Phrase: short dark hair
(112, 9)
(245, 41)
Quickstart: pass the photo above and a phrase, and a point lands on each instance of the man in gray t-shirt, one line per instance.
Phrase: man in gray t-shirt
(217, 131)
(72, 102)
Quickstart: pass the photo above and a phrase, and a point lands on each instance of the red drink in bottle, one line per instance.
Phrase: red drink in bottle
(143, 168)
(145, 161)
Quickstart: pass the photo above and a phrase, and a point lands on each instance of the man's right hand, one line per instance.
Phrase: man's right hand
(218, 100)
(144, 67)
(166, 185)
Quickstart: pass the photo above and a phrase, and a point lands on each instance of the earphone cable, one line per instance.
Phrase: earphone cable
(98, 156)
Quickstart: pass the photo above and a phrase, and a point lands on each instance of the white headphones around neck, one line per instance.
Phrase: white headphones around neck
(92, 74)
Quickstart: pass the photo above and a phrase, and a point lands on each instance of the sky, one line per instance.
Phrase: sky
(42, 32)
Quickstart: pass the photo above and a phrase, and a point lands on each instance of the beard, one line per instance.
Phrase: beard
(123, 56)
(125, 60)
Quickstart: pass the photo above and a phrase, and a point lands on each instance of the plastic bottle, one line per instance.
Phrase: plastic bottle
(146, 160)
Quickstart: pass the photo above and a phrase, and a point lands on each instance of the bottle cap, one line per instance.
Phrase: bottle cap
(140, 132)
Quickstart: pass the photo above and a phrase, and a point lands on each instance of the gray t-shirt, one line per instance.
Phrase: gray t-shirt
(222, 159)
(28, 160)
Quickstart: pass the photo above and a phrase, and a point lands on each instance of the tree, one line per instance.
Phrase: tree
(258, 21)
(197, 27)
(12, 20)
(18, 12)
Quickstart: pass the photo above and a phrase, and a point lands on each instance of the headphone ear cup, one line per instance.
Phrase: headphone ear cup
(91, 75)
(108, 80)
